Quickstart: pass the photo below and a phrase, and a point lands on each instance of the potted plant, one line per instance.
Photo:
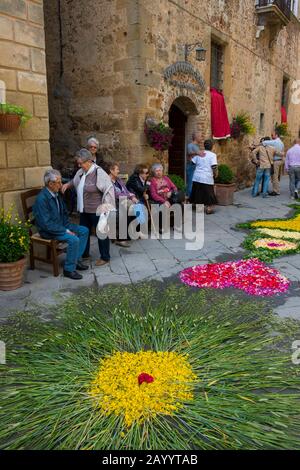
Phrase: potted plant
(242, 125)
(14, 245)
(12, 117)
(225, 185)
(282, 129)
(178, 181)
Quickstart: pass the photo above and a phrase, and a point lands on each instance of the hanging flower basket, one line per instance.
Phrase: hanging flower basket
(159, 135)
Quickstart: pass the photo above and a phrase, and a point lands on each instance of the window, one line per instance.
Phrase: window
(285, 93)
(217, 66)
(294, 7)
(262, 122)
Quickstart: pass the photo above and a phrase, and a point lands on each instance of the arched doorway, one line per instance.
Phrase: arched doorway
(182, 119)
(177, 121)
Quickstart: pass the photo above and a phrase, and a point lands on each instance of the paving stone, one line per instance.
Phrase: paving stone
(112, 279)
(158, 260)
(290, 309)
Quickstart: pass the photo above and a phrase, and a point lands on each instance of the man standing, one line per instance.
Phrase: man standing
(263, 158)
(292, 166)
(52, 221)
(278, 146)
(193, 149)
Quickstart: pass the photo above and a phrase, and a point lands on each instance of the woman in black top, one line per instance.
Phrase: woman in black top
(136, 183)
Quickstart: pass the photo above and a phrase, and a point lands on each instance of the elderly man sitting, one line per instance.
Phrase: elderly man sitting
(52, 220)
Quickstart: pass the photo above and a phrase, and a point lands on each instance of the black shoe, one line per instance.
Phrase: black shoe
(274, 194)
(81, 267)
(72, 275)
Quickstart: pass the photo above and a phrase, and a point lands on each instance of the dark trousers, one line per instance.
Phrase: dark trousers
(90, 221)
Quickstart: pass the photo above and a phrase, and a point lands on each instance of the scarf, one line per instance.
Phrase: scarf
(80, 189)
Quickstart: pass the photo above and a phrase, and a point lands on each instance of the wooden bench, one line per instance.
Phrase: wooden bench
(53, 247)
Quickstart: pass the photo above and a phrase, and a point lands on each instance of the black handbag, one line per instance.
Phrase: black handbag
(177, 197)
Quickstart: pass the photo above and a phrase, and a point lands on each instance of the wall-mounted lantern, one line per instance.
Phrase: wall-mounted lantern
(200, 51)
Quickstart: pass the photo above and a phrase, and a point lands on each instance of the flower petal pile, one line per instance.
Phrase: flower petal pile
(252, 276)
(118, 391)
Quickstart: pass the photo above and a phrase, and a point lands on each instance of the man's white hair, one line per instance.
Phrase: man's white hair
(51, 175)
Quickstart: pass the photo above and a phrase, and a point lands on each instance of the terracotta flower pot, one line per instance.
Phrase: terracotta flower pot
(9, 122)
(224, 193)
(11, 274)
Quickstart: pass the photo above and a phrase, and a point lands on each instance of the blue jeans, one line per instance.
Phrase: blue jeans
(190, 168)
(260, 173)
(76, 245)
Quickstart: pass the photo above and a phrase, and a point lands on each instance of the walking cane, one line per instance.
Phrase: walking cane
(151, 218)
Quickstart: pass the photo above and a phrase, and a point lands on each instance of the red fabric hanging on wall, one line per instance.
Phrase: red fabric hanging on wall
(219, 118)
(283, 115)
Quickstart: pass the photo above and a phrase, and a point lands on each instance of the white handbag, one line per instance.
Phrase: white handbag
(102, 226)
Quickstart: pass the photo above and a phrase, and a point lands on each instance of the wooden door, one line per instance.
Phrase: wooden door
(177, 121)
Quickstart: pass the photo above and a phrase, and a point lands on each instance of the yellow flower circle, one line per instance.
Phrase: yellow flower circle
(275, 244)
(117, 391)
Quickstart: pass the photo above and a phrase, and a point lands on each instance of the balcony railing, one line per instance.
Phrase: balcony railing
(283, 5)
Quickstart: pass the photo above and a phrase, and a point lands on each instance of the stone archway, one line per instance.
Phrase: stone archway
(182, 117)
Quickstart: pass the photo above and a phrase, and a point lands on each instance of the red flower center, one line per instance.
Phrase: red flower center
(145, 378)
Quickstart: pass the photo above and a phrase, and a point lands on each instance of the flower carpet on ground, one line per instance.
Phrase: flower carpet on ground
(251, 276)
(270, 239)
(210, 371)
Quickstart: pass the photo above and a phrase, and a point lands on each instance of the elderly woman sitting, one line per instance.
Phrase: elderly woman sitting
(121, 192)
(136, 183)
(95, 193)
(93, 146)
(161, 187)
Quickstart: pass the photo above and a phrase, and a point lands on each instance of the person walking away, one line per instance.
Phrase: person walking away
(292, 166)
(52, 220)
(278, 145)
(203, 179)
(263, 158)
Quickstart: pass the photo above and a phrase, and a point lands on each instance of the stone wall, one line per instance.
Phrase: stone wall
(106, 62)
(24, 154)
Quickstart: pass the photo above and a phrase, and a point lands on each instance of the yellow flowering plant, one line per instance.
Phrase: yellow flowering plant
(14, 237)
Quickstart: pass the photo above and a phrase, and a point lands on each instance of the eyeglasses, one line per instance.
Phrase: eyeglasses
(94, 148)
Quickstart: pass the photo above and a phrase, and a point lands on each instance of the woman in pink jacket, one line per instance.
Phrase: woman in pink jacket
(161, 187)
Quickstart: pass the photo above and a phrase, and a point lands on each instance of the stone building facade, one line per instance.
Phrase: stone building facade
(107, 60)
(24, 154)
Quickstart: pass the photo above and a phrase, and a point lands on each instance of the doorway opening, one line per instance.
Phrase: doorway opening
(182, 119)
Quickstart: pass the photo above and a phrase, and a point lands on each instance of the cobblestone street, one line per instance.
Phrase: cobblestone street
(159, 260)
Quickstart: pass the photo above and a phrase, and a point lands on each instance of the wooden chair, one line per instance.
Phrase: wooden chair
(53, 250)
